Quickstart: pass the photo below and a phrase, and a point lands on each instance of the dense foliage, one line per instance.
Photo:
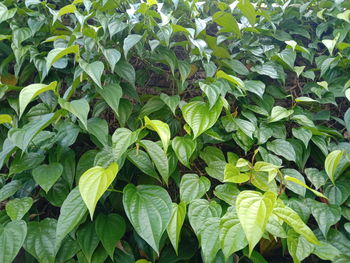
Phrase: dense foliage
(174, 131)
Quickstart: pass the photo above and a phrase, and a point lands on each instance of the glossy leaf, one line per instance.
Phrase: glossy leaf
(193, 187)
(177, 219)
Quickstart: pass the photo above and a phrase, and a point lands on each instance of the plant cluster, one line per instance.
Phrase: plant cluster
(174, 131)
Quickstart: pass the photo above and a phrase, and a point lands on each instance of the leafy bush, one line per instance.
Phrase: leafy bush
(181, 131)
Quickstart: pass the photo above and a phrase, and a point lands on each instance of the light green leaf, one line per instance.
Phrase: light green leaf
(209, 238)
(200, 210)
(149, 210)
(18, 207)
(254, 210)
(233, 79)
(129, 42)
(112, 93)
(126, 71)
(177, 219)
(295, 180)
(5, 118)
(200, 117)
(233, 175)
(122, 139)
(184, 147)
(158, 157)
(193, 187)
(112, 56)
(110, 228)
(232, 236)
(94, 70)
(227, 22)
(40, 241)
(255, 86)
(46, 175)
(66, 10)
(30, 92)
(299, 248)
(248, 11)
(184, 69)
(331, 43)
(94, 182)
(331, 163)
(72, 212)
(282, 148)
(57, 53)
(161, 128)
(289, 216)
(12, 237)
(279, 113)
(79, 108)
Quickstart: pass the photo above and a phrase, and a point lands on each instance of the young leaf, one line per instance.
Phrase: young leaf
(72, 212)
(161, 128)
(110, 228)
(254, 210)
(40, 241)
(192, 187)
(57, 53)
(184, 147)
(12, 237)
(30, 92)
(295, 180)
(46, 175)
(148, 208)
(5, 118)
(94, 182)
(233, 175)
(112, 56)
(200, 117)
(331, 163)
(175, 224)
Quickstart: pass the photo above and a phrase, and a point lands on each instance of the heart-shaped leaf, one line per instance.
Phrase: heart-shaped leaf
(46, 175)
(18, 207)
(192, 187)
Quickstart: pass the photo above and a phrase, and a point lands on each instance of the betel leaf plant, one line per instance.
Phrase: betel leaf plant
(174, 131)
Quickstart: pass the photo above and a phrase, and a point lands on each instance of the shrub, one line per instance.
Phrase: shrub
(175, 131)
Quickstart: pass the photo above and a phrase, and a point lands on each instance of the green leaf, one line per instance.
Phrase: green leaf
(279, 113)
(212, 91)
(159, 158)
(129, 42)
(316, 177)
(112, 93)
(72, 212)
(98, 128)
(142, 161)
(161, 128)
(40, 241)
(295, 180)
(18, 207)
(339, 193)
(79, 108)
(282, 148)
(227, 192)
(233, 79)
(87, 239)
(94, 182)
(171, 101)
(57, 53)
(248, 11)
(12, 237)
(184, 69)
(233, 175)
(126, 71)
(289, 216)
(331, 163)
(254, 210)
(110, 228)
(184, 147)
(232, 236)
(299, 248)
(325, 215)
(193, 187)
(227, 22)
(5, 118)
(94, 70)
(9, 189)
(122, 139)
(200, 210)
(302, 134)
(22, 137)
(200, 117)
(149, 209)
(326, 251)
(255, 86)
(209, 239)
(30, 92)
(112, 56)
(175, 224)
(46, 175)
